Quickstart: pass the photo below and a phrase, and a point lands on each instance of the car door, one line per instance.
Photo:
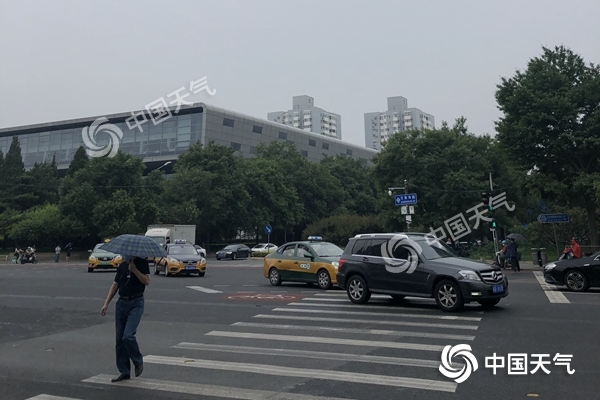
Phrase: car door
(284, 261)
(591, 269)
(304, 266)
(408, 280)
(372, 258)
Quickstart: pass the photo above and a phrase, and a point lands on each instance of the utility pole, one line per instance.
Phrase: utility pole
(490, 208)
(408, 217)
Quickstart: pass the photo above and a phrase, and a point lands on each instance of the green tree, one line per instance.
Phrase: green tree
(339, 228)
(13, 172)
(41, 226)
(551, 124)
(80, 161)
(448, 168)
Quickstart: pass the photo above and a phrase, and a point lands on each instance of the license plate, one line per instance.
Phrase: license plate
(498, 289)
(192, 267)
(104, 263)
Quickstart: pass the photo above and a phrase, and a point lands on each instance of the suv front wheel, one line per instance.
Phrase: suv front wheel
(357, 290)
(448, 296)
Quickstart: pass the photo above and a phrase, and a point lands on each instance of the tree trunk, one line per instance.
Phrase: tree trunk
(591, 213)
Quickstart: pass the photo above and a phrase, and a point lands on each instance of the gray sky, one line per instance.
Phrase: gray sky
(72, 59)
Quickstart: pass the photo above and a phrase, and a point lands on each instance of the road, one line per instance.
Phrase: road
(232, 335)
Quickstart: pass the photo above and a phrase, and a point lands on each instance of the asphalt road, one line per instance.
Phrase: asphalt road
(232, 335)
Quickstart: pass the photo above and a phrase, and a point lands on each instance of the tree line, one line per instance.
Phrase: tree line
(544, 158)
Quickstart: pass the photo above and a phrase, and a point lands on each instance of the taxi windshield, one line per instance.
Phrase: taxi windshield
(98, 249)
(183, 249)
(327, 249)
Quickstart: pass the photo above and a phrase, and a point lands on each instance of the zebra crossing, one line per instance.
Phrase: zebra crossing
(311, 347)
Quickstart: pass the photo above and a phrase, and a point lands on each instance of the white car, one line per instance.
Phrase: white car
(200, 250)
(264, 248)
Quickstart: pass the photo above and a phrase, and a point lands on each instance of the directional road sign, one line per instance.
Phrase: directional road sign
(268, 229)
(402, 199)
(553, 218)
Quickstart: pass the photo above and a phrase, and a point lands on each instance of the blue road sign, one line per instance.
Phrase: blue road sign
(403, 199)
(268, 229)
(553, 218)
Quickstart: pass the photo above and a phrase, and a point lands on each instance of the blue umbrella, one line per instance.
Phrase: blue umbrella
(134, 246)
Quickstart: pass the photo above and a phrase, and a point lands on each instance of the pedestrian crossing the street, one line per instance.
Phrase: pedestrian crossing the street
(309, 349)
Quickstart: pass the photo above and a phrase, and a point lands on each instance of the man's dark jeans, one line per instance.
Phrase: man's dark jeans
(128, 315)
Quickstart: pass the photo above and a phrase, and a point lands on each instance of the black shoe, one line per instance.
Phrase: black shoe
(120, 378)
(139, 369)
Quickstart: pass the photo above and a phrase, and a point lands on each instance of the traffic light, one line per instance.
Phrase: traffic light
(493, 224)
(486, 200)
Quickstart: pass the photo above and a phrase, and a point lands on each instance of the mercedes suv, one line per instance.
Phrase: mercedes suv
(419, 265)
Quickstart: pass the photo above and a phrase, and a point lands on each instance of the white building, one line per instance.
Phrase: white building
(398, 117)
(304, 115)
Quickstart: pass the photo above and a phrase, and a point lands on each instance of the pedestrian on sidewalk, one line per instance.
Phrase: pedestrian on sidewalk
(57, 253)
(133, 275)
(512, 255)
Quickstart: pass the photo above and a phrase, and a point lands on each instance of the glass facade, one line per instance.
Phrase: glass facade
(171, 137)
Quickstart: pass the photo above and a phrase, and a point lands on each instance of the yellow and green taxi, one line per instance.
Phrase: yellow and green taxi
(311, 261)
(182, 258)
(102, 259)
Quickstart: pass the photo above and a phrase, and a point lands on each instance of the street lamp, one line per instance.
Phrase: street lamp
(164, 165)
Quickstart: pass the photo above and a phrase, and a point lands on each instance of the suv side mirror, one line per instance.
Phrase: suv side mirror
(89, 251)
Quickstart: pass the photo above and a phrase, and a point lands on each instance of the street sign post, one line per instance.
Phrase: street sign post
(268, 230)
(404, 210)
(404, 199)
(554, 219)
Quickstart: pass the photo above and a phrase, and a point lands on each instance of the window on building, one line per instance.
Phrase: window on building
(312, 142)
(282, 135)
(236, 146)
(228, 122)
(326, 146)
(304, 153)
(257, 129)
(349, 152)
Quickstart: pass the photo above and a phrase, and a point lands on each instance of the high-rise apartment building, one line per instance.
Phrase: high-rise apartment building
(304, 115)
(398, 117)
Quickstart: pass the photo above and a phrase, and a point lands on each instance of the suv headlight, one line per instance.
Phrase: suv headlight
(469, 275)
(549, 267)
(335, 264)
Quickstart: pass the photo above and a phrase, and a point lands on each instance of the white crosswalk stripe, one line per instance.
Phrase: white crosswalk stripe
(327, 328)
(551, 291)
(50, 397)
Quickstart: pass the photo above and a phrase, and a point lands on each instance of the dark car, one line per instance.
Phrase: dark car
(577, 274)
(234, 251)
(416, 264)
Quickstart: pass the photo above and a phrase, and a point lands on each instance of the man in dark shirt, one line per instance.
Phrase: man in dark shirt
(130, 281)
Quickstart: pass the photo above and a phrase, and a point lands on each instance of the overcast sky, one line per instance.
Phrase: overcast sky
(72, 59)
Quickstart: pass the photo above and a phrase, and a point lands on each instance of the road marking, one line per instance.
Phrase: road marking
(250, 285)
(444, 317)
(554, 296)
(409, 362)
(372, 307)
(221, 285)
(357, 331)
(50, 397)
(203, 289)
(327, 340)
(344, 295)
(368, 321)
(340, 376)
(247, 291)
(205, 390)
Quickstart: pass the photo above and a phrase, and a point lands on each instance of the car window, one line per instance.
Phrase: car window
(289, 250)
(434, 250)
(360, 246)
(230, 247)
(182, 249)
(401, 253)
(327, 250)
(303, 251)
(374, 248)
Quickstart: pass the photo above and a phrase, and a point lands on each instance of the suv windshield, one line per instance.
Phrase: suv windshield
(182, 249)
(435, 250)
(327, 249)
